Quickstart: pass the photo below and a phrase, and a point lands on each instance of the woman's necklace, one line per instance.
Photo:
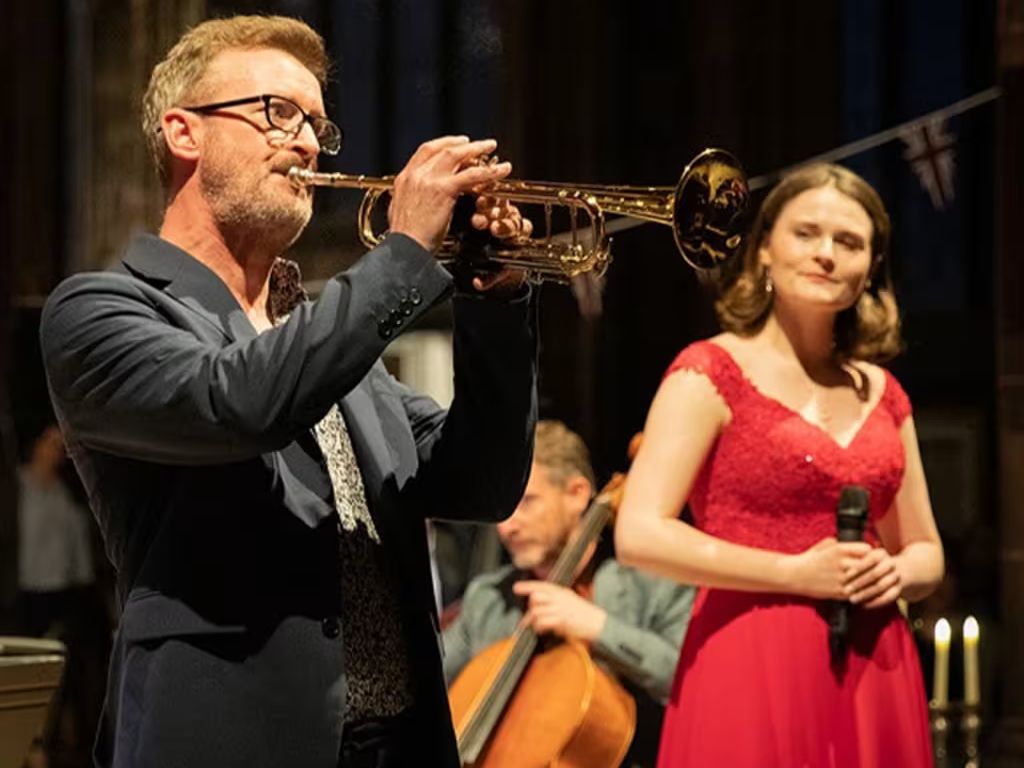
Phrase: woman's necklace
(821, 410)
(820, 394)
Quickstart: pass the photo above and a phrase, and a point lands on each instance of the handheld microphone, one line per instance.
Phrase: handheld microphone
(851, 518)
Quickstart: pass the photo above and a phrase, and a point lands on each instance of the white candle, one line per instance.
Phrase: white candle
(940, 676)
(972, 682)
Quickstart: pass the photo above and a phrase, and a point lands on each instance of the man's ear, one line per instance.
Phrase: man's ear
(181, 131)
(579, 491)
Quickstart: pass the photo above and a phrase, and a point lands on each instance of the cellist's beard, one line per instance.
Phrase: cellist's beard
(526, 561)
(537, 563)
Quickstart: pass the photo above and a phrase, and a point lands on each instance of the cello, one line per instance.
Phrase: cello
(522, 704)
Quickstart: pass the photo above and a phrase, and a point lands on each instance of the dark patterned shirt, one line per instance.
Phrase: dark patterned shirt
(376, 652)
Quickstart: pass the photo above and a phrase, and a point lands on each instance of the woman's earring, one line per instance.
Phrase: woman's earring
(769, 286)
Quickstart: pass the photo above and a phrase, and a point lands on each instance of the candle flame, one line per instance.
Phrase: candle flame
(942, 631)
(971, 629)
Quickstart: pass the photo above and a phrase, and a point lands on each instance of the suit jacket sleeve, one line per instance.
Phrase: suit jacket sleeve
(457, 641)
(129, 382)
(647, 651)
(475, 459)
(485, 617)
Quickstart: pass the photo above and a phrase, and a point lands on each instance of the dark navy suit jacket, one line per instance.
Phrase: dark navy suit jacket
(192, 434)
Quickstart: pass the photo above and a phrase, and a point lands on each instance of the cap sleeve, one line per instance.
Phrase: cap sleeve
(713, 361)
(897, 400)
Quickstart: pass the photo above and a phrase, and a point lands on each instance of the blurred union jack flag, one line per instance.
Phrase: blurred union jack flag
(930, 152)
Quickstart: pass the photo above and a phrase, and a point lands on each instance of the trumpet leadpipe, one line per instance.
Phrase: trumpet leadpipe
(303, 177)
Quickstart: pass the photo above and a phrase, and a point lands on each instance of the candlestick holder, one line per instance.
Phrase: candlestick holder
(970, 726)
(956, 730)
(939, 714)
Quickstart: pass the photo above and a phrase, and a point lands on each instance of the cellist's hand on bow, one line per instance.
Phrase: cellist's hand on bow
(560, 611)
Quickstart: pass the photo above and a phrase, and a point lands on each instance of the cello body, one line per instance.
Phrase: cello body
(566, 710)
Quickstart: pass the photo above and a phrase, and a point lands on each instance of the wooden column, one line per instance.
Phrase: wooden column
(119, 192)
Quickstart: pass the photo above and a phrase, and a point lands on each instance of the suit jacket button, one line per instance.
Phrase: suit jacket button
(395, 316)
(331, 627)
(384, 329)
(415, 296)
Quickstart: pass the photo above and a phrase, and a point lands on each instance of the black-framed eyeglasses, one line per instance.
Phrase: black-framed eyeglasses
(287, 116)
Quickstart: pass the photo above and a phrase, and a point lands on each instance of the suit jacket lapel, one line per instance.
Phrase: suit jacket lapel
(191, 282)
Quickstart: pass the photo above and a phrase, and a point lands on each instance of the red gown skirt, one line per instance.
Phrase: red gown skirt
(755, 686)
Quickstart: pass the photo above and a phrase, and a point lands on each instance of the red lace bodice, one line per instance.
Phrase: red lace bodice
(772, 479)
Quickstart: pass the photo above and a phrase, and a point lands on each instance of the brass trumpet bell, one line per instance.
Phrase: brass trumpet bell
(708, 207)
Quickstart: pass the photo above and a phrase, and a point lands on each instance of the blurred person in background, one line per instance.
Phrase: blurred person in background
(632, 622)
(55, 559)
(60, 595)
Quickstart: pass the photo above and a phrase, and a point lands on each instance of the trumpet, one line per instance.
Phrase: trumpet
(704, 209)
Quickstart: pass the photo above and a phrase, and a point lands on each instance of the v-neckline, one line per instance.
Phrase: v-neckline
(793, 412)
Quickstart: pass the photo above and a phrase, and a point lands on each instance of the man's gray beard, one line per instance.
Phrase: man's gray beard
(274, 223)
(527, 561)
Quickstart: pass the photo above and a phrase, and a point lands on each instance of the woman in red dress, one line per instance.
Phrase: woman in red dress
(759, 428)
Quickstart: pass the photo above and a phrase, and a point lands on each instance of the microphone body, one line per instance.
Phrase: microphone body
(851, 519)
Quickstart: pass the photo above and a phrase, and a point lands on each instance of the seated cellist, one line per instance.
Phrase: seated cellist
(633, 622)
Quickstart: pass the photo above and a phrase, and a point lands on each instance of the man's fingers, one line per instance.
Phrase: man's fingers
(539, 620)
(456, 156)
(503, 228)
(452, 154)
(486, 282)
(471, 153)
(501, 220)
(429, 149)
(526, 587)
(543, 625)
(509, 276)
(479, 175)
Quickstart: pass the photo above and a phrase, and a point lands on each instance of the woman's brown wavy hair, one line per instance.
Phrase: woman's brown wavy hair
(870, 329)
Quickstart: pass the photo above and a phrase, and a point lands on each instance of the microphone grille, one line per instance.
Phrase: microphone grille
(854, 499)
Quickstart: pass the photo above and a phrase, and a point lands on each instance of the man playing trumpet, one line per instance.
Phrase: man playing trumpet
(260, 480)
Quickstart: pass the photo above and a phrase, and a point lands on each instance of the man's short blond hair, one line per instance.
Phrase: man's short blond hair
(561, 452)
(177, 79)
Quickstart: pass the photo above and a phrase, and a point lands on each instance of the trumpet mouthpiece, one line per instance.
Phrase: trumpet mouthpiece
(300, 177)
